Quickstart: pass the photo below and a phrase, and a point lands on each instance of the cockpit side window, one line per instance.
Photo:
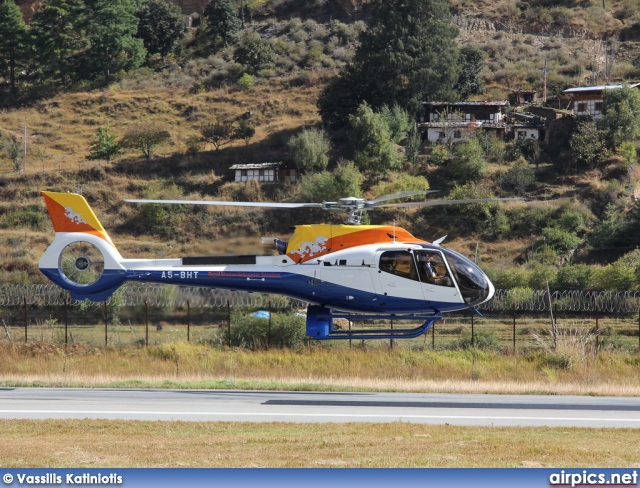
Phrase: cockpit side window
(399, 263)
(432, 268)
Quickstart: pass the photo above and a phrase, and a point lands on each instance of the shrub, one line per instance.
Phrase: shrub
(310, 149)
(467, 164)
(253, 52)
(246, 81)
(146, 138)
(30, 216)
(518, 178)
(250, 332)
(482, 339)
(560, 239)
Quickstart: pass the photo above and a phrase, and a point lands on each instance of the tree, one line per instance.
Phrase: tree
(105, 147)
(621, 115)
(518, 178)
(112, 25)
(470, 79)
(244, 131)
(12, 148)
(588, 145)
(161, 26)
(59, 37)
(407, 55)
(221, 20)
(217, 133)
(414, 141)
(467, 164)
(145, 138)
(253, 53)
(398, 121)
(13, 42)
(330, 186)
(310, 150)
(375, 150)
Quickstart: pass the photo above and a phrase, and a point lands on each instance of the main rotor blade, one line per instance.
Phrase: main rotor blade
(433, 203)
(400, 194)
(229, 204)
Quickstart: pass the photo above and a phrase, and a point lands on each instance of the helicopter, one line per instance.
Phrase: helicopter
(350, 270)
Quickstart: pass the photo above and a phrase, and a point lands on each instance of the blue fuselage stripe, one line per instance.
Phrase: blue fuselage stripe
(297, 286)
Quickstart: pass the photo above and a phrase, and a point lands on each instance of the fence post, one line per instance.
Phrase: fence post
(433, 336)
(26, 319)
(595, 302)
(473, 334)
(106, 323)
(188, 321)
(146, 323)
(269, 327)
(391, 340)
(229, 320)
(554, 329)
(514, 327)
(66, 321)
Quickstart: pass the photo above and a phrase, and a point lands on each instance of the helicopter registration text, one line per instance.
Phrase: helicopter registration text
(181, 274)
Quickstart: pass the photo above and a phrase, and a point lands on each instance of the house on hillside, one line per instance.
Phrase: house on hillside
(445, 122)
(526, 126)
(523, 97)
(586, 101)
(264, 172)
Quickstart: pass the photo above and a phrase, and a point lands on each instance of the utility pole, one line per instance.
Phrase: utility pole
(25, 150)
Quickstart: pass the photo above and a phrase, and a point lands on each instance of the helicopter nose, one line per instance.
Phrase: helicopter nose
(492, 290)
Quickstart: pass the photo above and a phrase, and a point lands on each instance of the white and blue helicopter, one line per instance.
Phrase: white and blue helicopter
(351, 271)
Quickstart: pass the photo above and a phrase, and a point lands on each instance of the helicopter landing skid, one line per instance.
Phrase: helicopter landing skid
(320, 325)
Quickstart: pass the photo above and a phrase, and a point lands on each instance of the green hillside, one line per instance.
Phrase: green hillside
(578, 229)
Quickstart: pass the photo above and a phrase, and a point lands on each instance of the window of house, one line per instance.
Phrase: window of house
(457, 134)
(598, 106)
(441, 135)
(582, 107)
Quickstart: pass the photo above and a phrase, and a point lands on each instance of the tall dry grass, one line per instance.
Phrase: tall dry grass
(185, 365)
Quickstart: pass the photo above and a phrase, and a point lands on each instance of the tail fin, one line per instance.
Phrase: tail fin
(82, 258)
(70, 212)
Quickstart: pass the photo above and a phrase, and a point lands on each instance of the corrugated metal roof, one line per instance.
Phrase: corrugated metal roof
(492, 103)
(256, 166)
(579, 89)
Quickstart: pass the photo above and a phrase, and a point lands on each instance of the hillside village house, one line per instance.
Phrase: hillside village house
(586, 101)
(264, 172)
(443, 122)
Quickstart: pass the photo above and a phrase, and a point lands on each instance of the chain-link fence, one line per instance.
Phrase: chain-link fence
(513, 321)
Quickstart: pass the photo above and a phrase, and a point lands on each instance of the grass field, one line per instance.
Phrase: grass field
(97, 443)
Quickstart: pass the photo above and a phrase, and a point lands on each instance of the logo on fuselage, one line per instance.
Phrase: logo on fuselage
(308, 249)
(74, 217)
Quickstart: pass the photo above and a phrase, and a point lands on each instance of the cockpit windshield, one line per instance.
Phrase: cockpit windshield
(473, 283)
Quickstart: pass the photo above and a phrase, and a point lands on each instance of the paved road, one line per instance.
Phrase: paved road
(268, 406)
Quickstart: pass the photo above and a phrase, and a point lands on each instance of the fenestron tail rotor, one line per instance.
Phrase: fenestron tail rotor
(81, 263)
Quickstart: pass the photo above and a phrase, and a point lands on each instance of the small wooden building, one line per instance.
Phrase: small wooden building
(444, 122)
(586, 101)
(264, 172)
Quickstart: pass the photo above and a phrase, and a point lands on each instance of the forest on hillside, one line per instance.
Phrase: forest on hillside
(163, 98)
